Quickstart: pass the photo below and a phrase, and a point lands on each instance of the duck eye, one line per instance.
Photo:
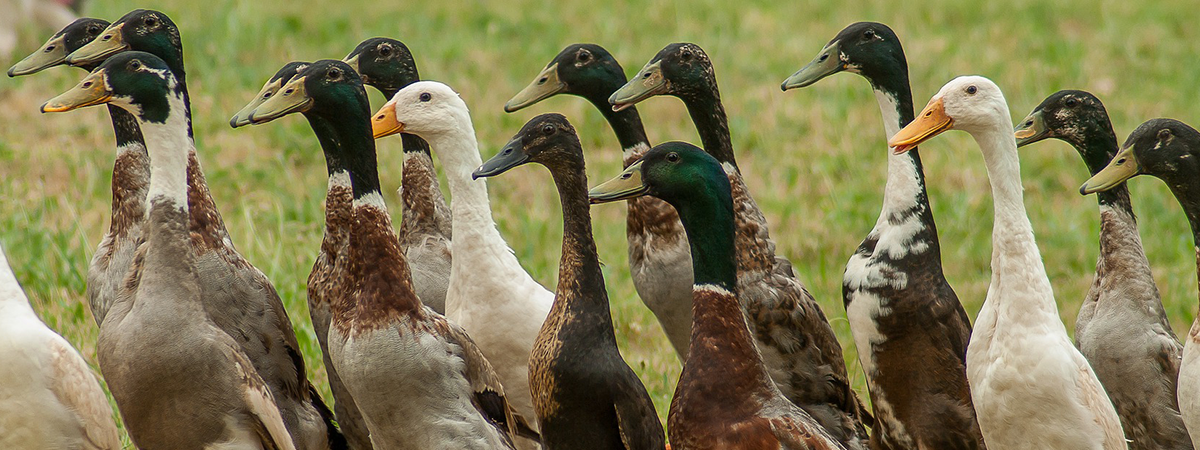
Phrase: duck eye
(425, 97)
(334, 74)
(548, 129)
(135, 65)
(1071, 102)
(93, 30)
(385, 50)
(686, 55)
(673, 157)
(971, 90)
(1164, 134)
(150, 21)
(585, 56)
(869, 34)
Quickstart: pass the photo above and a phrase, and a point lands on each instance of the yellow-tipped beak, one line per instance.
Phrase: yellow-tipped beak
(932, 122)
(625, 186)
(545, 85)
(51, 54)
(242, 117)
(107, 44)
(384, 122)
(92, 90)
(1122, 167)
(293, 97)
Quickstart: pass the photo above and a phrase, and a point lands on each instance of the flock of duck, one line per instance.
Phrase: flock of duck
(434, 336)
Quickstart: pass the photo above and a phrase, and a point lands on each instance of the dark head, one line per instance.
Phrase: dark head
(548, 139)
(385, 64)
(54, 52)
(682, 70)
(273, 85)
(138, 82)
(1073, 116)
(140, 30)
(870, 49)
(586, 70)
(327, 88)
(1165, 148)
(673, 171)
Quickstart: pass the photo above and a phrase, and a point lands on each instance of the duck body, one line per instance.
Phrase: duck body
(584, 393)
(796, 342)
(908, 324)
(49, 398)
(490, 295)
(1030, 386)
(157, 335)
(417, 381)
(660, 262)
(1167, 149)
(725, 398)
(1122, 328)
(425, 226)
(237, 297)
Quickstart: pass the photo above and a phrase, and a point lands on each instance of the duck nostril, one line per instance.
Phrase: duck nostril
(824, 57)
(49, 48)
(543, 80)
(1029, 123)
(87, 84)
(646, 75)
(625, 176)
(107, 37)
(289, 92)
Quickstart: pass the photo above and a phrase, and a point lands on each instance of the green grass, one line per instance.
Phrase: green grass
(814, 158)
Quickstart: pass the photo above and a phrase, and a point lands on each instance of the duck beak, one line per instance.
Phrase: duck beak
(932, 122)
(384, 122)
(827, 63)
(1123, 167)
(93, 90)
(545, 85)
(352, 61)
(647, 83)
(242, 118)
(292, 98)
(50, 54)
(110, 42)
(511, 156)
(627, 185)
(1031, 130)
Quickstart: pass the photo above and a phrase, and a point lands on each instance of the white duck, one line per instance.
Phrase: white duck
(49, 398)
(491, 296)
(1031, 387)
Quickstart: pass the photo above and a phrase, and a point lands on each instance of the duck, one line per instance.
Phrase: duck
(131, 172)
(908, 324)
(1166, 149)
(49, 398)
(1030, 386)
(1122, 328)
(659, 259)
(488, 286)
(798, 345)
(425, 228)
(418, 380)
(161, 401)
(584, 393)
(725, 398)
(327, 277)
(238, 297)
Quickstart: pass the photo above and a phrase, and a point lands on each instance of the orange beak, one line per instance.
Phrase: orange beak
(384, 122)
(932, 122)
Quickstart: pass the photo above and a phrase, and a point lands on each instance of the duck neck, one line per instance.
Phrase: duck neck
(168, 145)
(471, 213)
(708, 114)
(1188, 194)
(131, 172)
(1098, 148)
(12, 297)
(1015, 256)
(579, 267)
(904, 193)
(626, 123)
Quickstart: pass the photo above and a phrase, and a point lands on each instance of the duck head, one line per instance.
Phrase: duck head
(424, 108)
(968, 103)
(54, 52)
(1165, 148)
(682, 70)
(548, 139)
(384, 63)
(586, 70)
(141, 30)
(867, 48)
(1069, 115)
(673, 171)
(327, 88)
(138, 82)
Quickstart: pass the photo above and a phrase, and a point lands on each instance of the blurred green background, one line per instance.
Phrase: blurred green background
(814, 158)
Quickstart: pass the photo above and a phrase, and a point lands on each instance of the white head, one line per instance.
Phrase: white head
(425, 108)
(969, 103)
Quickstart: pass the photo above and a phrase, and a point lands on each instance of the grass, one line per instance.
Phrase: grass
(815, 173)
